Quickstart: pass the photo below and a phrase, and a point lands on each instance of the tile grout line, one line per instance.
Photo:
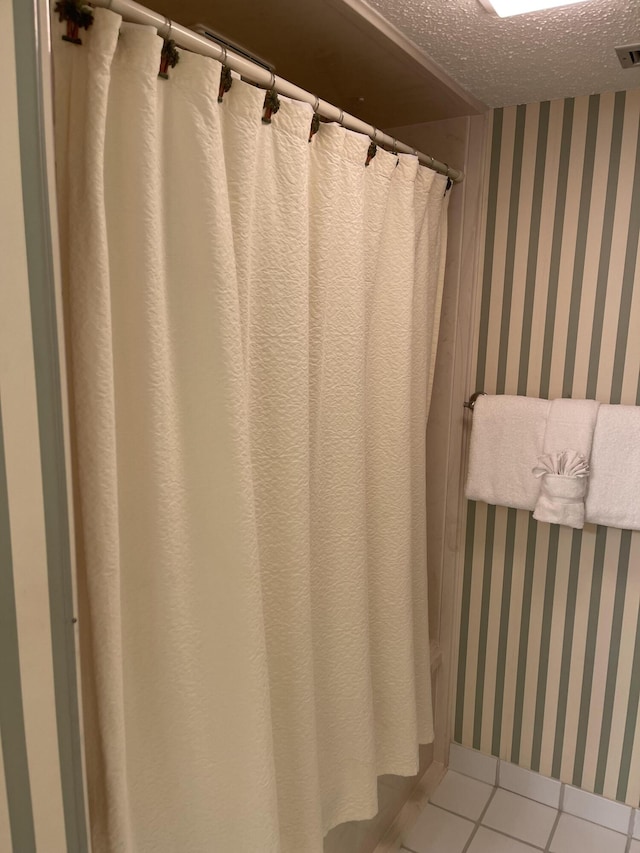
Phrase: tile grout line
(632, 820)
(562, 785)
(560, 810)
(559, 814)
(547, 848)
(597, 823)
(485, 826)
(511, 790)
(469, 776)
(626, 834)
(479, 821)
(520, 841)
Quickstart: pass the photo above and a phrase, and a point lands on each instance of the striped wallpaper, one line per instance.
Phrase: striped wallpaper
(549, 663)
(41, 790)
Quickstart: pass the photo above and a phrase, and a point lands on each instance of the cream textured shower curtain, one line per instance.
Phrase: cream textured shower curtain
(253, 321)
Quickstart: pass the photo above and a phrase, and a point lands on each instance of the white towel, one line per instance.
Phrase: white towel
(614, 485)
(506, 441)
(563, 478)
(564, 466)
(571, 424)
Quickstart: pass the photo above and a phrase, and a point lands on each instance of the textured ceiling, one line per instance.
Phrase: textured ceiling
(540, 56)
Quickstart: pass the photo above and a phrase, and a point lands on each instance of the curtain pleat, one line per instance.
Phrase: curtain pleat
(278, 388)
(388, 494)
(252, 326)
(427, 301)
(338, 568)
(82, 93)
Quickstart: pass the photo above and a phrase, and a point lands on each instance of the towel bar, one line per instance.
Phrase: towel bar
(472, 399)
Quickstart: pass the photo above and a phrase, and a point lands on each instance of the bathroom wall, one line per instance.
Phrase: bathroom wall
(549, 659)
(41, 798)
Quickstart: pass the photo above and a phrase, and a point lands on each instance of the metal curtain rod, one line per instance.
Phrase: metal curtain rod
(189, 40)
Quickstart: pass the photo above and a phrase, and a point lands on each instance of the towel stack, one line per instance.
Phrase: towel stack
(567, 460)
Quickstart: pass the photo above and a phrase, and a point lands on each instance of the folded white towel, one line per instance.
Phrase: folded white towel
(563, 488)
(506, 441)
(613, 497)
(570, 424)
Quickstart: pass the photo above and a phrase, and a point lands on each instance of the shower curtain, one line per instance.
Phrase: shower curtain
(252, 320)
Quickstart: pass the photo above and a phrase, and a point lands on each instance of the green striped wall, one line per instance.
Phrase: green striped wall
(41, 782)
(549, 663)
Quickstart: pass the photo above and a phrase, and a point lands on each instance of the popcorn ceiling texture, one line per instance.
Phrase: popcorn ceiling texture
(536, 57)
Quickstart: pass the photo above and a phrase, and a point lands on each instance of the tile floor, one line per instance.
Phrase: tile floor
(467, 815)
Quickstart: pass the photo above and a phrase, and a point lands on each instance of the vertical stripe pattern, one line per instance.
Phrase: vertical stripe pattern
(549, 665)
(12, 729)
(41, 787)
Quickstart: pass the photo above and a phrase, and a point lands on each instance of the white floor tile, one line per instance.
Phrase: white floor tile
(597, 809)
(574, 834)
(462, 794)
(530, 784)
(473, 763)
(636, 824)
(488, 841)
(635, 847)
(522, 818)
(438, 831)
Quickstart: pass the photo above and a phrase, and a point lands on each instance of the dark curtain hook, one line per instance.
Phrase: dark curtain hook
(271, 103)
(169, 55)
(76, 17)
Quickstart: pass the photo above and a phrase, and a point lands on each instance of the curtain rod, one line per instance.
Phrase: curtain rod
(189, 40)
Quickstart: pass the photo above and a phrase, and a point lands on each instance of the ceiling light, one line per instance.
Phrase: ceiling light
(506, 8)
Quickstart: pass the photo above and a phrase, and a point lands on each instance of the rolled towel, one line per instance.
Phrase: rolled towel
(614, 485)
(571, 423)
(506, 440)
(563, 488)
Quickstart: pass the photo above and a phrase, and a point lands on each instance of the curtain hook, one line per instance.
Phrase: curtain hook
(371, 152)
(315, 124)
(169, 55)
(315, 119)
(375, 134)
(226, 79)
(395, 146)
(271, 103)
(341, 119)
(448, 186)
(272, 83)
